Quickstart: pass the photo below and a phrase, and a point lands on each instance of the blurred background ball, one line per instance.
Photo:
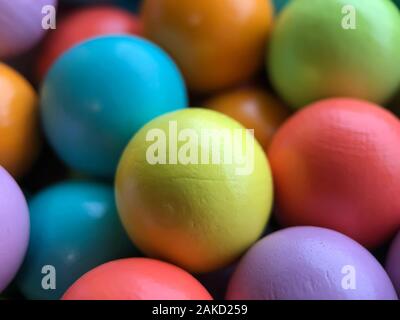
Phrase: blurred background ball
(216, 44)
(309, 263)
(279, 5)
(14, 228)
(137, 279)
(306, 64)
(21, 25)
(74, 228)
(99, 93)
(198, 216)
(393, 262)
(336, 164)
(19, 122)
(254, 109)
(82, 24)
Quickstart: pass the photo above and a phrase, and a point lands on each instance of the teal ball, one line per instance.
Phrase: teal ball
(74, 228)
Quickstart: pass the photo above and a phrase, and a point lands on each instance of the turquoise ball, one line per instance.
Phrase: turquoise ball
(99, 93)
(279, 5)
(74, 228)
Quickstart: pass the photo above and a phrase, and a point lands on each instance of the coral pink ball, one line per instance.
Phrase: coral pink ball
(137, 279)
(336, 164)
(81, 25)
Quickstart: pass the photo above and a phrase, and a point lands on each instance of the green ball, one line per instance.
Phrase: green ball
(196, 214)
(334, 48)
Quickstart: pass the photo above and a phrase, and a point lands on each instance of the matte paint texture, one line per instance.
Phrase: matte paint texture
(312, 57)
(19, 122)
(336, 164)
(309, 263)
(217, 44)
(137, 279)
(74, 228)
(83, 24)
(14, 228)
(200, 217)
(99, 93)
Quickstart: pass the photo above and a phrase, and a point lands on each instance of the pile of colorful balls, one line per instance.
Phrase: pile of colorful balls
(202, 149)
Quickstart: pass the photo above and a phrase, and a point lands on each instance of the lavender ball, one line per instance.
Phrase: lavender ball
(309, 263)
(14, 228)
(21, 25)
(393, 263)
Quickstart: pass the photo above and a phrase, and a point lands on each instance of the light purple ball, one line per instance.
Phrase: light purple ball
(14, 228)
(21, 25)
(393, 263)
(309, 263)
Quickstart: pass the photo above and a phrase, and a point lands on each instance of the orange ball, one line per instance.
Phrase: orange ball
(254, 109)
(216, 44)
(137, 279)
(81, 25)
(19, 122)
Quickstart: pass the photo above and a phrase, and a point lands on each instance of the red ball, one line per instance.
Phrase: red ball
(137, 279)
(336, 164)
(81, 25)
